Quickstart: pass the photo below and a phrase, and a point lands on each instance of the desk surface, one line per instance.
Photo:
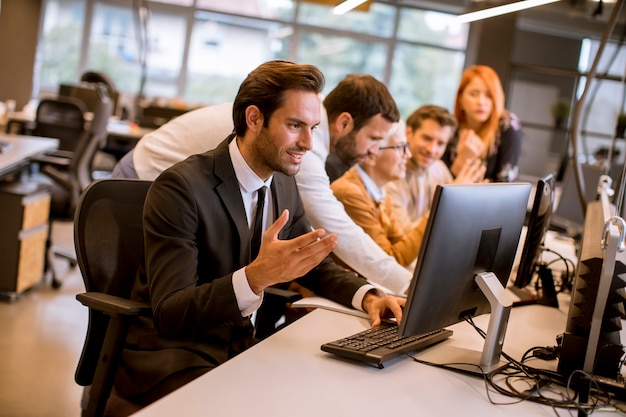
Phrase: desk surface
(21, 148)
(288, 375)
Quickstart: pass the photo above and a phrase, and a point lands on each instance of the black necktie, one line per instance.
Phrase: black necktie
(257, 231)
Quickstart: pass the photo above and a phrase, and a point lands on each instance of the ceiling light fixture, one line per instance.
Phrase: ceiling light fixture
(500, 10)
(347, 5)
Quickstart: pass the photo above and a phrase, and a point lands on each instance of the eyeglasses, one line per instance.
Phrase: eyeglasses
(403, 148)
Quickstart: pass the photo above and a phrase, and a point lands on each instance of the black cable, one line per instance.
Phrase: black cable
(568, 275)
(541, 383)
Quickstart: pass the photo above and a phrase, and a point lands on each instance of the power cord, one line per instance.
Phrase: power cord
(521, 382)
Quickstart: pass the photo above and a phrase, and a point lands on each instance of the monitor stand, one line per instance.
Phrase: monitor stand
(472, 361)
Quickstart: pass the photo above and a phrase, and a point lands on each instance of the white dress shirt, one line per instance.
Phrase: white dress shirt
(356, 248)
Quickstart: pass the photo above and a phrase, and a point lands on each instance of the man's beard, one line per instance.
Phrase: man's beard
(345, 148)
(268, 154)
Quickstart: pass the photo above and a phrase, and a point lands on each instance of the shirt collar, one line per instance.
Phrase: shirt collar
(249, 181)
(376, 193)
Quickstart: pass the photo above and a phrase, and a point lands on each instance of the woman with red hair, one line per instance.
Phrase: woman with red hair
(486, 129)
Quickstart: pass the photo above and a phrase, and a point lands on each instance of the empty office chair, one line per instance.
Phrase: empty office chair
(70, 172)
(108, 236)
(95, 77)
(62, 118)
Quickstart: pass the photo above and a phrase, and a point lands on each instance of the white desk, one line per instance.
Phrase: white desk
(288, 375)
(21, 149)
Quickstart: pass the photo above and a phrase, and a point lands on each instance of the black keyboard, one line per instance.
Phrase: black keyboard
(377, 345)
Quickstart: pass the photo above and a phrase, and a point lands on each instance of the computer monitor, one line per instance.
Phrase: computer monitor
(463, 267)
(88, 94)
(530, 261)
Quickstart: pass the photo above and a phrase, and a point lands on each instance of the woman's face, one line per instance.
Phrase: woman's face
(391, 159)
(476, 102)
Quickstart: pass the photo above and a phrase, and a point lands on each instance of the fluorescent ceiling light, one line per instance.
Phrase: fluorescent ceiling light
(347, 5)
(500, 10)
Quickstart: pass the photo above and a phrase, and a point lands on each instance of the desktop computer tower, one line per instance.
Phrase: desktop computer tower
(591, 341)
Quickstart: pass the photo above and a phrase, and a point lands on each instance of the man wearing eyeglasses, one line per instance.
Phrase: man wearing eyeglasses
(428, 131)
(361, 191)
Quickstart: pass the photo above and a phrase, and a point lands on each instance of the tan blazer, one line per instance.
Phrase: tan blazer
(377, 218)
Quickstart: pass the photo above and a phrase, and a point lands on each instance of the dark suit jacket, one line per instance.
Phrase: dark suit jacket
(196, 236)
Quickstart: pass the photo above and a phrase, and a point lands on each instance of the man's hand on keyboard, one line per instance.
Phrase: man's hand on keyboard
(383, 307)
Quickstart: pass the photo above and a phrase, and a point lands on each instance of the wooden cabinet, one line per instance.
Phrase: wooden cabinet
(24, 213)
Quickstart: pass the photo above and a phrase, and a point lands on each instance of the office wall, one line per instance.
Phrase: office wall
(491, 43)
(19, 28)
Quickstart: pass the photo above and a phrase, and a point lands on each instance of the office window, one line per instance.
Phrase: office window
(337, 56)
(178, 2)
(58, 55)
(379, 20)
(612, 61)
(113, 45)
(224, 49)
(605, 97)
(424, 75)
(115, 48)
(166, 46)
(269, 9)
(433, 28)
(200, 50)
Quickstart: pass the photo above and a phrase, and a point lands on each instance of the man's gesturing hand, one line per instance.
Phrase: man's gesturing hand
(285, 260)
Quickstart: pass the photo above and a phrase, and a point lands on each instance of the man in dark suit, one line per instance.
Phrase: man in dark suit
(202, 278)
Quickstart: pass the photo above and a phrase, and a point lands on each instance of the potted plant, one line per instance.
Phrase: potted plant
(560, 112)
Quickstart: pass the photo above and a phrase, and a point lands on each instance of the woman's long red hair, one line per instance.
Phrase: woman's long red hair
(490, 128)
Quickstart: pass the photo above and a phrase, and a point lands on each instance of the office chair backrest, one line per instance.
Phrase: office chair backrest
(62, 118)
(97, 136)
(108, 237)
(95, 77)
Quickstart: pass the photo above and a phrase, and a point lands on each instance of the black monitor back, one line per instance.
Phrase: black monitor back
(472, 228)
(88, 94)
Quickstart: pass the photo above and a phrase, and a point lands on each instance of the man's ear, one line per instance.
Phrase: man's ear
(254, 119)
(344, 123)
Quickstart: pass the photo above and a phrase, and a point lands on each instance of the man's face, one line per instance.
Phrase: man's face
(281, 145)
(428, 143)
(354, 146)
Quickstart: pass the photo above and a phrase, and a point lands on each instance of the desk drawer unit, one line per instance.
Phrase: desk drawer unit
(24, 214)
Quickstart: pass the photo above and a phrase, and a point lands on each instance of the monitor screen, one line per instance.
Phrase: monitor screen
(538, 224)
(472, 229)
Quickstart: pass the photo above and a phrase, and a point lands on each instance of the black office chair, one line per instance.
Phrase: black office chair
(108, 236)
(69, 170)
(62, 118)
(96, 77)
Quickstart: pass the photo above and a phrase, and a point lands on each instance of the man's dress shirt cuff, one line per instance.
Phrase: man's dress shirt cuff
(247, 300)
(357, 299)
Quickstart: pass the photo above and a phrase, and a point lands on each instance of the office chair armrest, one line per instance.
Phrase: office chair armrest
(112, 305)
(287, 295)
(57, 160)
(60, 177)
(61, 154)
